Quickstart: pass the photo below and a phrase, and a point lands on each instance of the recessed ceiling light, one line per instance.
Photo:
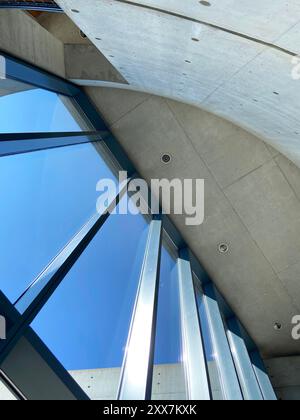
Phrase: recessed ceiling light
(75, 11)
(166, 158)
(205, 3)
(277, 326)
(82, 34)
(223, 248)
(196, 39)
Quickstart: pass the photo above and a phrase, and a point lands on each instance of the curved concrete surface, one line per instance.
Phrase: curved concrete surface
(252, 202)
(230, 57)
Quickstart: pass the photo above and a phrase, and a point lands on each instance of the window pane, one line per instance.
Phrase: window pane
(210, 354)
(86, 321)
(168, 375)
(5, 393)
(46, 197)
(24, 108)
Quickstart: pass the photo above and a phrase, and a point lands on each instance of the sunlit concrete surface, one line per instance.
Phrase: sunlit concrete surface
(232, 58)
(168, 382)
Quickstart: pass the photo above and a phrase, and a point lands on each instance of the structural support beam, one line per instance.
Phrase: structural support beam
(262, 377)
(137, 372)
(228, 376)
(12, 144)
(194, 359)
(247, 377)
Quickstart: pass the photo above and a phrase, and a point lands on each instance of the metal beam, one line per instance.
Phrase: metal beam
(12, 144)
(247, 377)
(137, 371)
(194, 359)
(262, 376)
(229, 380)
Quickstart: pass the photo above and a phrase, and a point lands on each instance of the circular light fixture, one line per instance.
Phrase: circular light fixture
(166, 158)
(223, 248)
(205, 3)
(277, 326)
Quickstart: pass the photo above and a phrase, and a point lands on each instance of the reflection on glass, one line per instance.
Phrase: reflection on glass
(46, 197)
(211, 357)
(5, 393)
(24, 108)
(86, 321)
(168, 374)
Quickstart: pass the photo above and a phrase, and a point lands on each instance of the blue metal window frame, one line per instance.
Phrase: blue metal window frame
(18, 324)
(29, 5)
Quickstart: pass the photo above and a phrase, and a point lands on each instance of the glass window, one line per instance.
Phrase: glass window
(24, 108)
(86, 321)
(168, 374)
(211, 358)
(5, 393)
(46, 197)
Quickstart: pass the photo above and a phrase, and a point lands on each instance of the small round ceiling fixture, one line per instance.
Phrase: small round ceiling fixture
(205, 3)
(166, 158)
(277, 326)
(223, 248)
(75, 11)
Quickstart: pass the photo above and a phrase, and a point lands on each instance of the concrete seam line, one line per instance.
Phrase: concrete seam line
(211, 25)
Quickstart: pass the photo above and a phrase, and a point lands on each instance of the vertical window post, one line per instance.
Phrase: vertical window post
(229, 379)
(194, 359)
(137, 371)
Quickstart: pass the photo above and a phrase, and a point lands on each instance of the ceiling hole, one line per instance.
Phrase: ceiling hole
(166, 158)
(188, 61)
(205, 3)
(223, 248)
(98, 39)
(277, 326)
(196, 39)
(82, 34)
(75, 11)
(276, 93)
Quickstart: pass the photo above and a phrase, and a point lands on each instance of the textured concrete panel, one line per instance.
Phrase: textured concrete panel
(228, 151)
(271, 211)
(267, 21)
(204, 56)
(115, 103)
(102, 384)
(244, 274)
(285, 376)
(23, 37)
(86, 65)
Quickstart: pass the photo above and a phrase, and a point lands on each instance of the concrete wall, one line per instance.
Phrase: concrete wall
(285, 376)
(168, 382)
(22, 36)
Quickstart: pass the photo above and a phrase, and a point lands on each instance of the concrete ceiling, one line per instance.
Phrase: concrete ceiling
(233, 58)
(252, 202)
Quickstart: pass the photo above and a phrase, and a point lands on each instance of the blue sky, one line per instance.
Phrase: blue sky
(45, 198)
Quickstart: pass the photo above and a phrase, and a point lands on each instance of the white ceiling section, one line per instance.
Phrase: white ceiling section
(186, 52)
